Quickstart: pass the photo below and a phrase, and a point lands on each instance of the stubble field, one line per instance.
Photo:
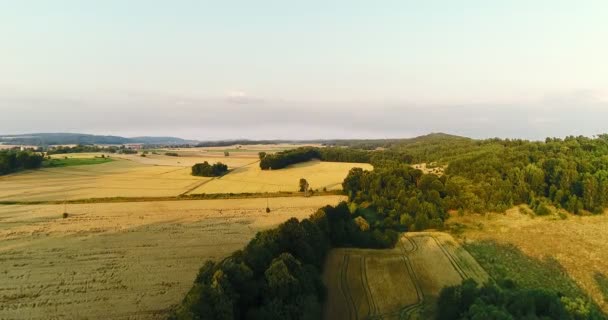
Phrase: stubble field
(123, 260)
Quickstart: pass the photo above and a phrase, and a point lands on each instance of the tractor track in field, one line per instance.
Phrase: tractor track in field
(406, 250)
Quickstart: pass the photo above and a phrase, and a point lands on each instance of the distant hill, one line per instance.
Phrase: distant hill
(43, 139)
(370, 144)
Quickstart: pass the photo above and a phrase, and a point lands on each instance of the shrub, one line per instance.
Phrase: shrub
(542, 210)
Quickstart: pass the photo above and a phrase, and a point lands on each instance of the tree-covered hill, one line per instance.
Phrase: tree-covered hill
(45, 139)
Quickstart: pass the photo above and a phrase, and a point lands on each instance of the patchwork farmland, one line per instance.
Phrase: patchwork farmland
(158, 175)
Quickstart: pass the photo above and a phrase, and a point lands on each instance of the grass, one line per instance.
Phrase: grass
(58, 163)
(508, 262)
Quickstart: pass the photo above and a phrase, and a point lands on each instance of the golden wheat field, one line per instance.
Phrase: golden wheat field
(579, 243)
(123, 260)
(119, 178)
(320, 175)
(399, 283)
(188, 159)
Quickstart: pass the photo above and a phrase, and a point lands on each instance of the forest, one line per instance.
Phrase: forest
(13, 161)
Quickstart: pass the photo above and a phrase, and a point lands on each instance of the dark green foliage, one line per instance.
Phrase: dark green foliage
(570, 173)
(12, 161)
(172, 154)
(402, 197)
(285, 158)
(207, 170)
(507, 301)
(494, 174)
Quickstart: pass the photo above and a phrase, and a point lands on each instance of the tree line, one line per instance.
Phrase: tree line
(335, 154)
(89, 148)
(209, 170)
(12, 161)
(278, 274)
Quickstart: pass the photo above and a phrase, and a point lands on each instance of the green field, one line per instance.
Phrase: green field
(68, 162)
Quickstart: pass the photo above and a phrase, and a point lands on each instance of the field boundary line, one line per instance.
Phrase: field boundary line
(196, 185)
(198, 196)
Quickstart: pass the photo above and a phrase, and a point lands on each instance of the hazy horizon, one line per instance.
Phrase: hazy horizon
(315, 70)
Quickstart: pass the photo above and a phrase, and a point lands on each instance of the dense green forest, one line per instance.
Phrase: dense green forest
(505, 300)
(12, 161)
(207, 170)
(278, 274)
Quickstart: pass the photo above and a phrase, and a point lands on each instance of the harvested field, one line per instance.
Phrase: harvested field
(398, 283)
(123, 260)
(118, 178)
(188, 159)
(569, 255)
(251, 178)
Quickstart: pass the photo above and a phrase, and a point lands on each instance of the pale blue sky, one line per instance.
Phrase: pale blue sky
(306, 69)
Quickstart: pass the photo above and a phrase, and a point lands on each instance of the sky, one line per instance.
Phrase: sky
(310, 69)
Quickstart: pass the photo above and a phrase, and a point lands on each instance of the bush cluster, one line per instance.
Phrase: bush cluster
(207, 170)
